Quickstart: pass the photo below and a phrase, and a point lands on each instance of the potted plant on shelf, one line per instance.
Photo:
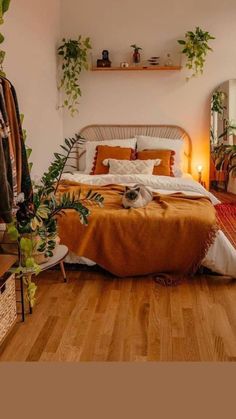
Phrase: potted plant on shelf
(34, 228)
(195, 47)
(74, 54)
(136, 53)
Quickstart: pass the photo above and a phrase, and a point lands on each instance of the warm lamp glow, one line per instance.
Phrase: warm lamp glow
(199, 168)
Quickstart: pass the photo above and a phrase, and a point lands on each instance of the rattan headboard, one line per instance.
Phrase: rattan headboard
(109, 132)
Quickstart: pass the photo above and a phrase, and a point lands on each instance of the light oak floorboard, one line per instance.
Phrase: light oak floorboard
(96, 317)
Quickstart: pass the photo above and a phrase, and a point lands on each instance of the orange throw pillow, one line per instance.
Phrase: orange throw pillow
(166, 157)
(106, 152)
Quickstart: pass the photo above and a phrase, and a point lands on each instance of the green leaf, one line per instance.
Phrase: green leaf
(12, 232)
(26, 245)
(5, 5)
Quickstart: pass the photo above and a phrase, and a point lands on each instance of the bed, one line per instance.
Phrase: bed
(220, 256)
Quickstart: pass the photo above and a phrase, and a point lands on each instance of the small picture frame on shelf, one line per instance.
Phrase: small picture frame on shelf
(104, 61)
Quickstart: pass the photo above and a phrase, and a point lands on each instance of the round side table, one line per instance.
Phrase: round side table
(59, 256)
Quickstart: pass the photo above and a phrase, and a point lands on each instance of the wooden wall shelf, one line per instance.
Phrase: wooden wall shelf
(138, 68)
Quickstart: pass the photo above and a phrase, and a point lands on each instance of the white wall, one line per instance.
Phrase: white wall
(151, 97)
(32, 30)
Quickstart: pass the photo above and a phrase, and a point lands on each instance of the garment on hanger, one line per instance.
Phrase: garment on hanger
(6, 184)
(23, 174)
(6, 133)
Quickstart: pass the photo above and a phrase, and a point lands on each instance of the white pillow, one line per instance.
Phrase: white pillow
(153, 143)
(131, 167)
(91, 146)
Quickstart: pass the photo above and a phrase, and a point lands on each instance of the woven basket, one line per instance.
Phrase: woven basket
(8, 314)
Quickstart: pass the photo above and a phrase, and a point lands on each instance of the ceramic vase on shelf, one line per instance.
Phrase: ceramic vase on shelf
(168, 61)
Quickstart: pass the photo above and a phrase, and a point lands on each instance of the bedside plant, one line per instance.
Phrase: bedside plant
(74, 55)
(225, 159)
(195, 47)
(34, 228)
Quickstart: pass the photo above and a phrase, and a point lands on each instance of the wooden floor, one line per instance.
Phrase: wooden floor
(96, 317)
(224, 197)
(99, 318)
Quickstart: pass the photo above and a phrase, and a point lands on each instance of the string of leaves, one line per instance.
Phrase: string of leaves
(195, 47)
(51, 178)
(74, 55)
(4, 6)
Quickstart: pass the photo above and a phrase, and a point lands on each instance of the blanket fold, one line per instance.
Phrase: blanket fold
(171, 235)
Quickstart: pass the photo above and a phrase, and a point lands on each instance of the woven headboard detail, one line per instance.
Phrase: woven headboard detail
(109, 132)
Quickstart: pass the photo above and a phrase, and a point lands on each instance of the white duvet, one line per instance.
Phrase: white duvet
(221, 257)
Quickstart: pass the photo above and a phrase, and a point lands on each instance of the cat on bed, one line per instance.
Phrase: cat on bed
(138, 196)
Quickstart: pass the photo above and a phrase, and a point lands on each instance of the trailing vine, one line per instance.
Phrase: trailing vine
(195, 47)
(74, 55)
(4, 6)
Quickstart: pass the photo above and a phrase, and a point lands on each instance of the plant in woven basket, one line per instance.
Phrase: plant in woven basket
(195, 47)
(74, 54)
(225, 159)
(35, 225)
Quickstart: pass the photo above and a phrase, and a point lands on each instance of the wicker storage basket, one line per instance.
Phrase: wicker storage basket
(8, 314)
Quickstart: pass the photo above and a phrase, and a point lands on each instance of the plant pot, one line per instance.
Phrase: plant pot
(10, 247)
(136, 57)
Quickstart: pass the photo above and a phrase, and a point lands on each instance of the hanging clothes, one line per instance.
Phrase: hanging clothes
(6, 184)
(14, 170)
(6, 133)
(23, 174)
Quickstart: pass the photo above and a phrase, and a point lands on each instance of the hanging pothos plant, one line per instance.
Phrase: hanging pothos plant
(195, 47)
(74, 55)
(4, 6)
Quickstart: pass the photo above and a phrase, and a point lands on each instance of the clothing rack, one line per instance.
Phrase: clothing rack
(14, 170)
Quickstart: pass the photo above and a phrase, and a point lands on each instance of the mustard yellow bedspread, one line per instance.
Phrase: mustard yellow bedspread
(171, 235)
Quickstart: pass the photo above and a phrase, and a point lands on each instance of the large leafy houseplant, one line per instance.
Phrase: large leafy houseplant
(35, 225)
(195, 47)
(74, 54)
(225, 159)
(4, 6)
